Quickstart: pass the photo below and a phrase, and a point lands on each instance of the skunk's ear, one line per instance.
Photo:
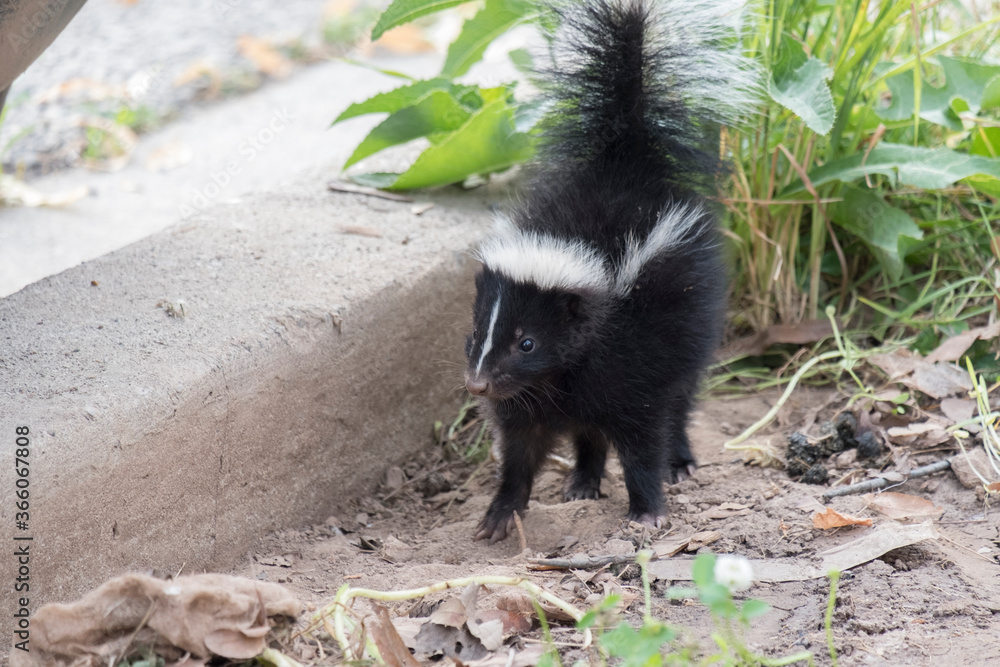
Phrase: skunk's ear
(572, 307)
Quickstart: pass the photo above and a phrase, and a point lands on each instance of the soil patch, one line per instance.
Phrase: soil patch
(915, 605)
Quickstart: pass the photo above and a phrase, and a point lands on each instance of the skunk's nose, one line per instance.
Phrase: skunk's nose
(477, 387)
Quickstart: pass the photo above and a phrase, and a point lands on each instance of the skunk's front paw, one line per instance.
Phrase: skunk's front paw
(577, 488)
(678, 473)
(495, 526)
(648, 519)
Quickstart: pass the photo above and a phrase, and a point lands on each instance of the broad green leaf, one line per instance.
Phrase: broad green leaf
(486, 143)
(880, 226)
(928, 168)
(798, 83)
(637, 647)
(404, 11)
(379, 179)
(522, 60)
(991, 94)
(405, 96)
(703, 570)
(969, 86)
(494, 19)
(753, 608)
(986, 141)
(438, 112)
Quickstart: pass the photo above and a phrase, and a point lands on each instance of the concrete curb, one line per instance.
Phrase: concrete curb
(307, 360)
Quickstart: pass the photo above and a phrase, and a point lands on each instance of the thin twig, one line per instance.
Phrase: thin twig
(879, 482)
(520, 531)
(579, 562)
(341, 186)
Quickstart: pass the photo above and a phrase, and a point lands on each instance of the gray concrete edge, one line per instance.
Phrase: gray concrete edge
(321, 337)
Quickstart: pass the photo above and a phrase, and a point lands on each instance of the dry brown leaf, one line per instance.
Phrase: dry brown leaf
(803, 333)
(869, 546)
(953, 348)
(703, 538)
(197, 71)
(206, 615)
(670, 546)
(937, 380)
(361, 230)
(513, 623)
(488, 631)
(958, 409)
(264, 56)
(900, 506)
(14, 192)
(83, 88)
(406, 39)
(967, 464)
(515, 601)
(831, 518)
(512, 657)
(451, 613)
(390, 645)
(338, 8)
(169, 156)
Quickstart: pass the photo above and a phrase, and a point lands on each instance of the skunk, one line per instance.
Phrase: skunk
(601, 293)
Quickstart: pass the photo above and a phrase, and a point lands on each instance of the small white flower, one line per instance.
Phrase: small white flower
(733, 572)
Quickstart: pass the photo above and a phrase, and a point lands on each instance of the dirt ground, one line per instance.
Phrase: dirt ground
(917, 605)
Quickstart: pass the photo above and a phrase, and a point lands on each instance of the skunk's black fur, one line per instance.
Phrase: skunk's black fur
(601, 295)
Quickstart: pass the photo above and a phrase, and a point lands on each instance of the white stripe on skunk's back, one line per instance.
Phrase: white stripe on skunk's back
(678, 223)
(548, 262)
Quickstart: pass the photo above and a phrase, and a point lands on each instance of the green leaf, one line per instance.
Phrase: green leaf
(438, 112)
(703, 570)
(522, 60)
(637, 648)
(404, 11)
(405, 96)
(928, 168)
(798, 83)
(986, 141)
(379, 179)
(969, 86)
(880, 226)
(752, 609)
(991, 94)
(494, 19)
(486, 143)
(604, 605)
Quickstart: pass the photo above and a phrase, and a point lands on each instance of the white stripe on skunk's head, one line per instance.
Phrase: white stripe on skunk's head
(545, 261)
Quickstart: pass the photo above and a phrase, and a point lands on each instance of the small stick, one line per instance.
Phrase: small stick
(520, 532)
(579, 563)
(341, 186)
(879, 482)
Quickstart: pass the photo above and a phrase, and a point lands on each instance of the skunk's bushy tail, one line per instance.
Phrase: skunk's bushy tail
(642, 83)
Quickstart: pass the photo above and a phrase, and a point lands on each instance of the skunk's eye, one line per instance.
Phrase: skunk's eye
(527, 345)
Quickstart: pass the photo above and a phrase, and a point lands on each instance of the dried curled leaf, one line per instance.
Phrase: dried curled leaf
(205, 615)
(831, 518)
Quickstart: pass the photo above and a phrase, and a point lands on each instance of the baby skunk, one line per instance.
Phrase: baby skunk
(601, 294)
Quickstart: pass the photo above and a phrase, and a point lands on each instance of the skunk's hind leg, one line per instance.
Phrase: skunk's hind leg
(640, 451)
(584, 483)
(678, 462)
(524, 448)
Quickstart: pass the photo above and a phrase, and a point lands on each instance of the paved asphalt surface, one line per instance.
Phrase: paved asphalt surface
(142, 46)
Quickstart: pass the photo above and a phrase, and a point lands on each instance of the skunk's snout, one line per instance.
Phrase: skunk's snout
(477, 387)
